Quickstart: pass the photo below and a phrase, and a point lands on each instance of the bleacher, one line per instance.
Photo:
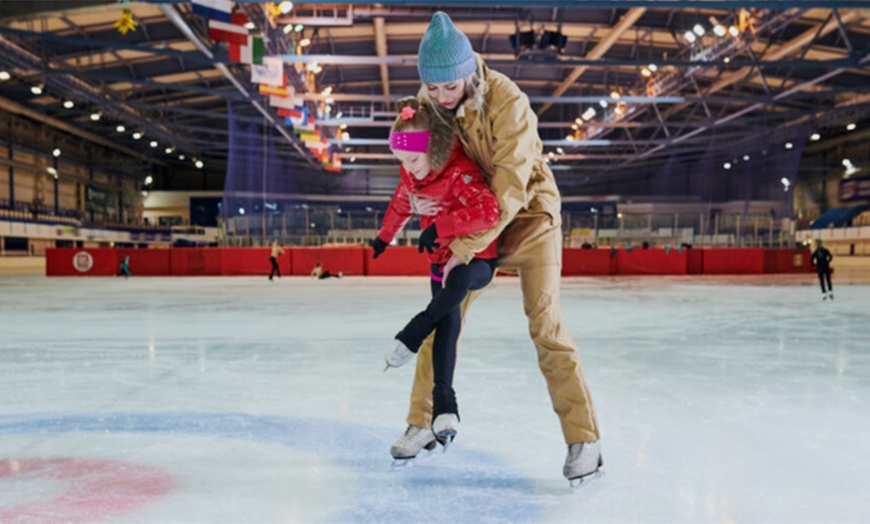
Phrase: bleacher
(839, 217)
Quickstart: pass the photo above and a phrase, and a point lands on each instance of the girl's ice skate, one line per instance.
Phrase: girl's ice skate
(398, 356)
(445, 428)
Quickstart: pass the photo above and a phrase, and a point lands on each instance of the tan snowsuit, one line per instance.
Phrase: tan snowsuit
(504, 141)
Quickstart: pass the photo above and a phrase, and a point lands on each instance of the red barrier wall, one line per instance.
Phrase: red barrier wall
(348, 260)
(694, 261)
(80, 262)
(236, 261)
(576, 261)
(397, 260)
(194, 262)
(650, 262)
(405, 260)
(733, 261)
(144, 262)
(787, 261)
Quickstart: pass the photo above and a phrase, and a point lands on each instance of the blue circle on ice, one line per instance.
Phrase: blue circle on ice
(467, 486)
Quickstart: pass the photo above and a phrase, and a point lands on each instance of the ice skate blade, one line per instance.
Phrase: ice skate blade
(422, 456)
(585, 480)
(445, 438)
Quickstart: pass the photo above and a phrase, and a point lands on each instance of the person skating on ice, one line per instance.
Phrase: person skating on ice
(124, 268)
(434, 167)
(821, 260)
(319, 273)
(499, 131)
(273, 258)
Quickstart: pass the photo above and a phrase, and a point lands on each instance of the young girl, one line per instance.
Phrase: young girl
(434, 166)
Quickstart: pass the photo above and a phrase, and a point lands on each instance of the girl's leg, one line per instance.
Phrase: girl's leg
(822, 281)
(828, 278)
(475, 275)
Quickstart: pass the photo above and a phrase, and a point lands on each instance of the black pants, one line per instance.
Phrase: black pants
(443, 316)
(275, 269)
(825, 276)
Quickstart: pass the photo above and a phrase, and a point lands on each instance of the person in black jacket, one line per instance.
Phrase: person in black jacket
(821, 260)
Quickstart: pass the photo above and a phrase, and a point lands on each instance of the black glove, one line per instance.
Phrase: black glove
(428, 240)
(379, 246)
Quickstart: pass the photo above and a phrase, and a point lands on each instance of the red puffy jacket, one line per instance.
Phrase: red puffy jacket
(467, 204)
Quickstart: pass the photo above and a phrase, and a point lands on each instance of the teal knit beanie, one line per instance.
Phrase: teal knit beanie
(445, 54)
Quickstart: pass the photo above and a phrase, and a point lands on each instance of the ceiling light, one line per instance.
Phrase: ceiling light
(4, 76)
(149, 179)
(51, 171)
(327, 91)
(353, 159)
(851, 126)
(615, 95)
(569, 138)
(69, 104)
(56, 152)
(699, 30)
(653, 67)
(120, 128)
(298, 28)
(575, 127)
(847, 162)
(785, 183)
(199, 164)
(250, 25)
(181, 157)
(36, 90)
(95, 116)
(153, 143)
(815, 136)
(287, 29)
(560, 150)
(727, 165)
(789, 145)
(746, 158)
(646, 72)
(305, 42)
(168, 150)
(690, 37)
(345, 136)
(603, 103)
(733, 31)
(137, 135)
(720, 30)
(285, 7)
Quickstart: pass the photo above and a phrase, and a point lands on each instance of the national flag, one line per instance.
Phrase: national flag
(300, 117)
(285, 102)
(269, 90)
(304, 125)
(213, 9)
(229, 33)
(248, 54)
(310, 137)
(271, 72)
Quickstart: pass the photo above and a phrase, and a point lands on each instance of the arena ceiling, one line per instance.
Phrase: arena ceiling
(778, 64)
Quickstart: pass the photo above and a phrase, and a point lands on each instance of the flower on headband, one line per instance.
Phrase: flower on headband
(408, 113)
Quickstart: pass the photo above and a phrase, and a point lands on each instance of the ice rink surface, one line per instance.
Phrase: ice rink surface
(741, 399)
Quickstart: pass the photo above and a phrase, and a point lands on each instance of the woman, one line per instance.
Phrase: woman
(498, 130)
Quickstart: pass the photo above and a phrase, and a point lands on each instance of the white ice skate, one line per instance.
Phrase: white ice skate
(445, 428)
(398, 356)
(583, 462)
(409, 445)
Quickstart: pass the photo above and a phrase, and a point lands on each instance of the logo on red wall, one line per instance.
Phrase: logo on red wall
(83, 261)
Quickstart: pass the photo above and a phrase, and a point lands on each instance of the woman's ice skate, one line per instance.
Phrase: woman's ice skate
(582, 463)
(398, 356)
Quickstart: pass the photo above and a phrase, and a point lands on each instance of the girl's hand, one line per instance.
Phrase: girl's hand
(424, 206)
(448, 267)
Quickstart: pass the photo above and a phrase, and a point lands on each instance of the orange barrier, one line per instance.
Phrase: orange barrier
(405, 260)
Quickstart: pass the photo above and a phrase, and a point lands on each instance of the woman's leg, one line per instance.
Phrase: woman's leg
(828, 278)
(822, 280)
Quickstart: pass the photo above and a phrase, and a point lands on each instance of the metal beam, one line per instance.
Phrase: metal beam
(626, 22)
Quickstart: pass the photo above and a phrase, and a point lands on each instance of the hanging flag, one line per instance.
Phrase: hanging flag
(126, 22)
(229, 33)
(269, 90)
(271, 72)
(213, 9)
(284, 102)
(248, 54)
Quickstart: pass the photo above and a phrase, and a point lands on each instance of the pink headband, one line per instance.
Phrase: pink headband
(412, 141)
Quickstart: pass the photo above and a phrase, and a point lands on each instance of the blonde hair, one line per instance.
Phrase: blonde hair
(428, 118)
(476, 88)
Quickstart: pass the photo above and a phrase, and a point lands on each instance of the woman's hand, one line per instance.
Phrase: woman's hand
(424, 206)
(448, 267)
